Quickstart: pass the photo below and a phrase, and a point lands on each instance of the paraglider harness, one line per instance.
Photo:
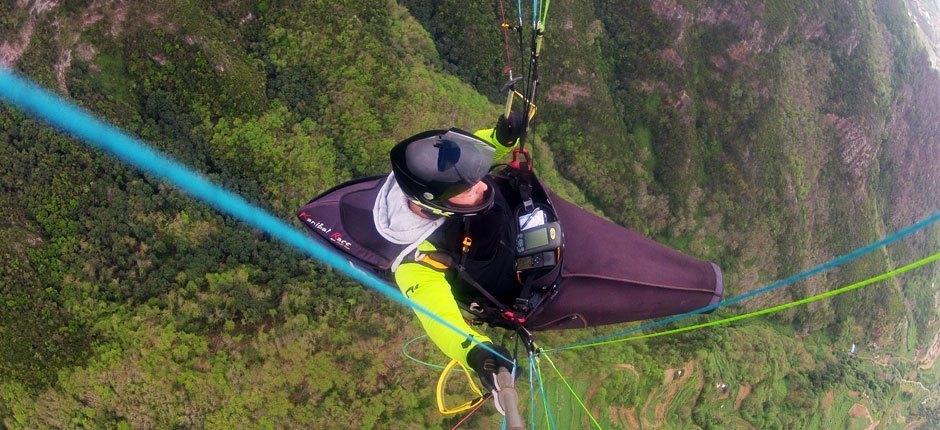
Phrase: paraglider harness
(335, 218)
(539, 248)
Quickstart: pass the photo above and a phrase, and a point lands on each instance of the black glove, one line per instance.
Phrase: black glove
(509, 130)
(486, 364)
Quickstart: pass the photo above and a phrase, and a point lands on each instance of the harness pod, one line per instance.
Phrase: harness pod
(604, 273)
(336, 216)
(342, 218)
(612, 274)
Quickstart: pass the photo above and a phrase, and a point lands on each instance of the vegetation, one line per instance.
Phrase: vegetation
(767, 136)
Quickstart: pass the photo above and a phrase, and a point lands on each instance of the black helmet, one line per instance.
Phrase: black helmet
(435, 165)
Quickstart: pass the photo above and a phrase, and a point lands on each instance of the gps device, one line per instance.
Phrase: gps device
(535, 261)
(546, 237)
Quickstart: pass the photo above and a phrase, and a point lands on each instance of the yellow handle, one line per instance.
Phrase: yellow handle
(509, 100)
(466, 406)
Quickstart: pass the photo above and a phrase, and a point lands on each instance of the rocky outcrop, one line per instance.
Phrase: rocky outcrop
(856, 150)
(12, 49)
(913, 147)
(568, 94)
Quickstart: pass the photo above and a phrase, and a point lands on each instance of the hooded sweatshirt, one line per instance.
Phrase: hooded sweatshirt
(397, 223)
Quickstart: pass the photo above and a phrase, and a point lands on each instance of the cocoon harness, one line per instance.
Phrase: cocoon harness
(342, 217)
(601, 273)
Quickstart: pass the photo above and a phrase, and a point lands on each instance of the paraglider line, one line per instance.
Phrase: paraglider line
(532, 390)
(470, 414)
(548, 413)
(405, 351)
(75, 121)
(573, 393)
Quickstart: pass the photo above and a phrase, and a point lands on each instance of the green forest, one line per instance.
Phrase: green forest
(768, 136)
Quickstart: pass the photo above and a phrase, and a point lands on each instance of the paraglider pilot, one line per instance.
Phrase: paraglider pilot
(456, 232)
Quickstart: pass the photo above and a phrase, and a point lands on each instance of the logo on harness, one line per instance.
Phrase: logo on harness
(338, 238)
(319, 226)
(335, 237)
(315, 224)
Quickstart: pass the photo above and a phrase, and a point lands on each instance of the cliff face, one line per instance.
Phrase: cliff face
(913, 145)
(767, 135)
(926, 17)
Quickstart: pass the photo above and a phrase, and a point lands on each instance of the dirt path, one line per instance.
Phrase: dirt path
(596, 385)
(886, 364)
(671, 388)
(859, 410)
(591, 392)
(625, 416)
(620, 414)
(630, 367)
(827, 400)
(930, 357)
(653, 397)
(743, 392)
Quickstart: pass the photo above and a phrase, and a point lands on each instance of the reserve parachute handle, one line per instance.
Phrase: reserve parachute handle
(505, 396)
(466, 406)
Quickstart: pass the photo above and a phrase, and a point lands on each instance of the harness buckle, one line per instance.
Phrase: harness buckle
(467, 241)
(513, 318)
(521, 160)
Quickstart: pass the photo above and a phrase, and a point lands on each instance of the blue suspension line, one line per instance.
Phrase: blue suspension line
(831, 264)
(532, 377)
(75, 121)
(535, 13)
(519, 11)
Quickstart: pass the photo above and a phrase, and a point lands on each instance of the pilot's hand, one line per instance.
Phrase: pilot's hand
(486, 364)
(508, 130)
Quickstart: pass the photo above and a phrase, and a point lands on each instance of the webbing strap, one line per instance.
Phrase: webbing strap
(469, 279)
(434, 260)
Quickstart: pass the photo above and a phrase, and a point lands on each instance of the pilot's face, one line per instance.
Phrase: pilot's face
(472, 197)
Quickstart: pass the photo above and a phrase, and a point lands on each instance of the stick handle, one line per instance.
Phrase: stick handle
(509, 399)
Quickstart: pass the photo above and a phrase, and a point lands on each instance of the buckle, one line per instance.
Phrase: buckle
(513, 318)
(521, 160)
(467, 241)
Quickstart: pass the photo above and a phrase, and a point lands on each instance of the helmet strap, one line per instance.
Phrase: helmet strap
(430, 212)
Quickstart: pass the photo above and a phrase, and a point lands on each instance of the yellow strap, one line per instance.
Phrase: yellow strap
(426, 259)
(509, 99)
(466, 406)
(532, 105)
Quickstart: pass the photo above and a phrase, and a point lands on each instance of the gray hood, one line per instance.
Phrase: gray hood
(395, 221)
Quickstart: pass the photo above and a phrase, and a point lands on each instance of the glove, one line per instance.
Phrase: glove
(511, 129)
(486, 364)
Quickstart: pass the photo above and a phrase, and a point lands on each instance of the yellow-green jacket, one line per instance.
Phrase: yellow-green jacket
(429, 287)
